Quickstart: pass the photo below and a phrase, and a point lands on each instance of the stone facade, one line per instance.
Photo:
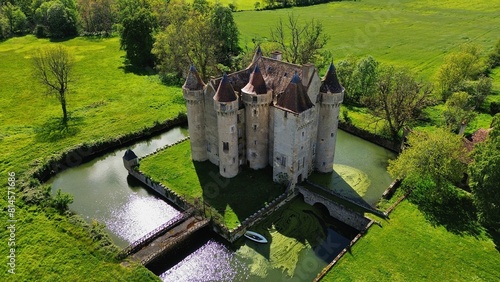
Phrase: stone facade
(271, 113)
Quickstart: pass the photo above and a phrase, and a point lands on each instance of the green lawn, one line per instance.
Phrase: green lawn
(235, 199)
(416, 34)
(408, 248)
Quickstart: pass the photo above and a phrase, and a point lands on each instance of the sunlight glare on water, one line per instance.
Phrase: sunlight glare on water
(139, 214)
(212, 262)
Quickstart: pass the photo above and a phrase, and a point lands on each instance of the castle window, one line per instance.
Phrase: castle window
(331, 135)
(231, 128)
(234, 160)
(302, 133)
(255, 112)
(283, 161)
(238, 118)
(286, 114)
(254, 99)
(254, 127)
(303, 161)
(255, 142)
(222, 107)
(225, 146)
(240, 133)
(208, 147)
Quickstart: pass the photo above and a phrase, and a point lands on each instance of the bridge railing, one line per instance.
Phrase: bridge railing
(150, 236)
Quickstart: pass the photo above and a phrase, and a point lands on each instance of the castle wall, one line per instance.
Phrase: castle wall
(327, 131)
(257, 129)
(211, 133)
(293, 139)
(195, 104)
(227, 119)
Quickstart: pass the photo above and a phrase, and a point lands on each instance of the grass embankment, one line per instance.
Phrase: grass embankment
(234, 199)
(105, 100)
(408, 248)
(411, 33)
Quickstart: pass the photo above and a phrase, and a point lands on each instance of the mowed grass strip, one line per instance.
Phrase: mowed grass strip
(409, 248)
(234, 199)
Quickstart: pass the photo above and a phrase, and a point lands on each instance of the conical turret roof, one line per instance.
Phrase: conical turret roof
(330, 83)
(295, 98)
(129, 155)
(256, 84)
(225, 92)
(193, 80)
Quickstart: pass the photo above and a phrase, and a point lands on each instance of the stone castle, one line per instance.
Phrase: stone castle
(271, 113)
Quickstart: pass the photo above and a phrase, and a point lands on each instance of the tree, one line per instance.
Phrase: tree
(97, 15)
(399, 98)
(459, 109)
(56, 19)
(305, 43)
(485, 176)
(438, 155)
(226, 34)
(53, 67)
(61, 201)
(458, 67)
(494, 58)
(198, 34)
(16, 19)
(358, 77)
(137, 25)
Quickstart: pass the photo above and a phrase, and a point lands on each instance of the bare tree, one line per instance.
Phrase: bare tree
(52, 67)
(305, 42)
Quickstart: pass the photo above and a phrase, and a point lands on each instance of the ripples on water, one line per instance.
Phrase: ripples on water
(138, 216)
(212, 262)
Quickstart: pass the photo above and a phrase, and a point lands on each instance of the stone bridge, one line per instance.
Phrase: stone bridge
(336, 210)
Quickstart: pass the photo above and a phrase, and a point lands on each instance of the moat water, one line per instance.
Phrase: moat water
(303, 239)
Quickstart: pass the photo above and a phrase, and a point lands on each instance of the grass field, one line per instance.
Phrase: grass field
(415, 34)
(408, 248)
(234, 199)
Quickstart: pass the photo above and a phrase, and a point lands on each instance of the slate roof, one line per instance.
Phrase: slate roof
(256, 84)
(129, 155)
(225, 92)
(193, 80)
(330, 83)
(295, 98)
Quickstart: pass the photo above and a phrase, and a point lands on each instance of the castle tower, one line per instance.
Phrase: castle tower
(331, 96)
(226, 105)
(293, 127)
(257, 99)
(193, 93)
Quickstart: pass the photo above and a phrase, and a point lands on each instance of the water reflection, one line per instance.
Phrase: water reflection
(211, 262)
(103, 191)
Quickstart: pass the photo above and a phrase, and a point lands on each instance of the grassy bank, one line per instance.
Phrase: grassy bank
(234, 199)
(105, 100)
(408, 248)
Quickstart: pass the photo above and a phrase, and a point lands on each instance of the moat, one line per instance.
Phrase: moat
(303, 239)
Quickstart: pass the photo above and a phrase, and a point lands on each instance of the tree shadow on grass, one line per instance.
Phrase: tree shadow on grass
(54, 129)
(495, 237)
(142, 71)
(456, 213)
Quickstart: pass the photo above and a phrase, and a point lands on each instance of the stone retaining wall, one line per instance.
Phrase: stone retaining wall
(374, 138)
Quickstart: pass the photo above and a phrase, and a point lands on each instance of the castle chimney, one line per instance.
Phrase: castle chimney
(277, 55)
(307, 73)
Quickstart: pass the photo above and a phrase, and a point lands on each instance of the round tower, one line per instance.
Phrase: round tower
(257, 99)
(331, 96)
(193, 94)
(226, 106)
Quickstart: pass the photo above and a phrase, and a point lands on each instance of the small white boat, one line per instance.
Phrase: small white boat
(254, 236)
